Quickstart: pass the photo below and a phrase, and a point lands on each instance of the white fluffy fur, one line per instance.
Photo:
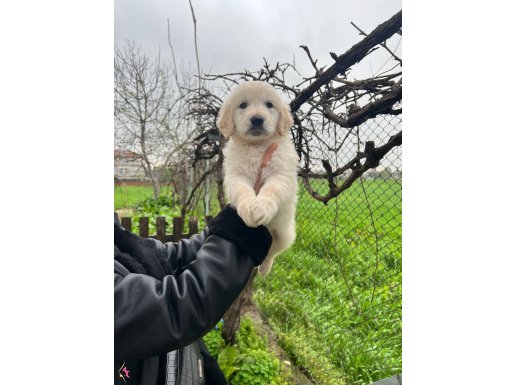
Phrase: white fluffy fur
(274, 206)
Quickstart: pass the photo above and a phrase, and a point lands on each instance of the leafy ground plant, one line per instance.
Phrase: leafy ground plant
(248, 362)
(162, 207)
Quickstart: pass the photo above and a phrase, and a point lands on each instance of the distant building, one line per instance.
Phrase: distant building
(381, 172)
(128, 166)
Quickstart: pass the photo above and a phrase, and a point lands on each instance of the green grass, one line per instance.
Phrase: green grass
(334, 298)
(130, 196)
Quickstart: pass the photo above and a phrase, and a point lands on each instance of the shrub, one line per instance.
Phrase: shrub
(257, 367)
(161, 207)
(248, 362)
(214, 341)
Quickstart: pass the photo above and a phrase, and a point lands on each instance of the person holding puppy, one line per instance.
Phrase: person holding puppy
(168, 295)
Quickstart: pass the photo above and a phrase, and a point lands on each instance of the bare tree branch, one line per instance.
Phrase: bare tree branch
(149, 113)
(381, 106)
(331, 101)
(383, 44)
(372, 158)
(352, 56)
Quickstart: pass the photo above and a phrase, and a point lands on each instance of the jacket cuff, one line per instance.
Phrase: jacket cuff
(254, 241)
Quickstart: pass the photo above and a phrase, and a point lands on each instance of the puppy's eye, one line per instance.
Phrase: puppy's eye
(269, 104)
(243, 105)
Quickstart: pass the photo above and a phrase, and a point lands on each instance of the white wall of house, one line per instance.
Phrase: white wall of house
(127, 166)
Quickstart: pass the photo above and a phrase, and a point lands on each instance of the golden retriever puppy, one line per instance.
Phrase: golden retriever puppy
(254, 118)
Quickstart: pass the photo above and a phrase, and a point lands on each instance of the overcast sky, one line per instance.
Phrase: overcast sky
(233, 35)
(236, 35)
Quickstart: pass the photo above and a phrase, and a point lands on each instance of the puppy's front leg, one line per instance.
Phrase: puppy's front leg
(242, 196)
(264, 207)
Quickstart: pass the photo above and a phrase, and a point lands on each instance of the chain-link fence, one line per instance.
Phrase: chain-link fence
(335, 297)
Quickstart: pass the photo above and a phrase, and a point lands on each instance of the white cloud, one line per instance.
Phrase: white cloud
(235, 35)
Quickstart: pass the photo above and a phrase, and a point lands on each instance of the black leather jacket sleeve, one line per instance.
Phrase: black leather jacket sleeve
(155, 316)
(179, 254)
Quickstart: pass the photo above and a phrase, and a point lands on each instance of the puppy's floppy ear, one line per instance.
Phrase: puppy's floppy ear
(224, 121)
(285, 119)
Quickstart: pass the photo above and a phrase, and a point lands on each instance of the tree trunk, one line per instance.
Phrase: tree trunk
(219, 177)
(156, 186)
(232, 316)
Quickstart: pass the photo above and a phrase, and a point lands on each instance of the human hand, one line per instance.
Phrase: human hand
(253, 241)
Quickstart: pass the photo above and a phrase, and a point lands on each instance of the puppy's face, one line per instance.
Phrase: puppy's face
(254, 112)
(255, 116)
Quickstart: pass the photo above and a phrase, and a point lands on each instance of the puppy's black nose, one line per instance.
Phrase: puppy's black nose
(256, 121)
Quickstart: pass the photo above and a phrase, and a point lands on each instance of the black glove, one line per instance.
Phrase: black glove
(254, 241)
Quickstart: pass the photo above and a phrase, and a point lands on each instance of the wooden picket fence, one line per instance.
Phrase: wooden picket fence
(177, 227)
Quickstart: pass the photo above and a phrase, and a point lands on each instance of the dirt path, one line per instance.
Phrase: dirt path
(263, 329)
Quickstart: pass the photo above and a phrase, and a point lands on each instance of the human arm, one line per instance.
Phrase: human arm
(154, 316)
(179, 254)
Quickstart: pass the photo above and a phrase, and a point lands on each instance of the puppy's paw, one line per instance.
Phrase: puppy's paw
(263, 211)
(244, 210)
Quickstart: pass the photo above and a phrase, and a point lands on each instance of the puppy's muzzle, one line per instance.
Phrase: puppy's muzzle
(256, 125)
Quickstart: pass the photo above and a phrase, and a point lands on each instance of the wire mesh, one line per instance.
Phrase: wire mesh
(349, 299)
